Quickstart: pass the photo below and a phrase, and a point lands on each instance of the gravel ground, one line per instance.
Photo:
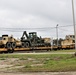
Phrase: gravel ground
(41, 73)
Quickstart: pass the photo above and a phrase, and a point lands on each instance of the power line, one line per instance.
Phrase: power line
(67, 25)
(65, 30)
(35, 28)
(22, 29)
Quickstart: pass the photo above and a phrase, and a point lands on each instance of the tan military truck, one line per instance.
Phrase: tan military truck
(7, 42)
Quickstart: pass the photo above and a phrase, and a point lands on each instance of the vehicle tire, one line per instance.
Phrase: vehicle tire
(27, 44)
(8, 45)
(23, 45)
(13, 45)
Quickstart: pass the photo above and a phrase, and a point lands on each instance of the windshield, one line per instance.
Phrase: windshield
(32, 35)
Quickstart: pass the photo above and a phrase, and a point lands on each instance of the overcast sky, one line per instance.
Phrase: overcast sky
(39, 15)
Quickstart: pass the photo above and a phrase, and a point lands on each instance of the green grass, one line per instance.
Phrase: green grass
(50, 62)
(55, 63)
(71, 50)
(2, 58)
(64, 64)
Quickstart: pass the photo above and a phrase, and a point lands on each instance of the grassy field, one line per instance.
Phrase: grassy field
(42, 62)
(71, 50)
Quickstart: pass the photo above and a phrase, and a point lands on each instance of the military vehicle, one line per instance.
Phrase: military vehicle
(32, 40)
(7, 42)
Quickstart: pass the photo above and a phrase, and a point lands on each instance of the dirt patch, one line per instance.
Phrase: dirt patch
(37, 65)
(8, 64)
(13, 64)
(5, 66)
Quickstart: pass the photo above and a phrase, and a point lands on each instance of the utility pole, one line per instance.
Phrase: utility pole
(74, 21)
(57, 33)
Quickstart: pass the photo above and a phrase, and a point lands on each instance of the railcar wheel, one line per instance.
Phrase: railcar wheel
(10, 50)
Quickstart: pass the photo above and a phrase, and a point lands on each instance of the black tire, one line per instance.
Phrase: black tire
(23, 45)
(13, 45)
(27, 44)
(8, 45)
